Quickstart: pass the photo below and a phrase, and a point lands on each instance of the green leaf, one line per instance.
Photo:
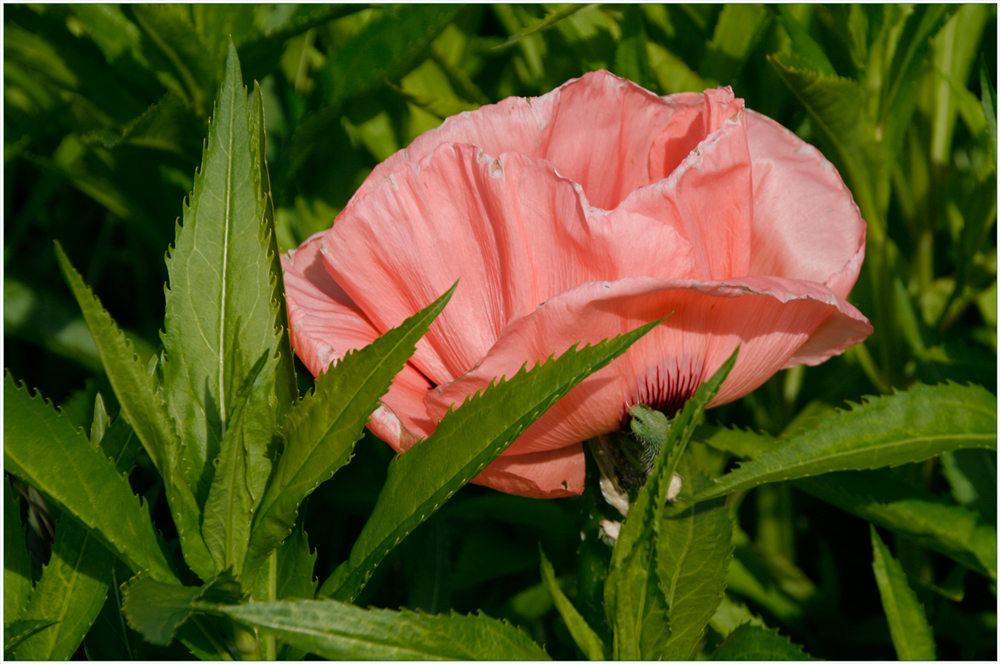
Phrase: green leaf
(70, 593)
(46, 451)
(296, 564)
(18, 631)
(750, 643)
(911, 634)
(229, 508)
(465, 442)
(157, 610)
(803, 45)
(16, 560)
(989, 105)
(334, 630)
(548, 21)
(386, 48)
(905, 427)
(737, 31)
(635, 598)
(321, 430)
(145, 410)
(888, 502)
(693, 551)
(731, 615)
(121, 445)
(220, 311)
(586, 639)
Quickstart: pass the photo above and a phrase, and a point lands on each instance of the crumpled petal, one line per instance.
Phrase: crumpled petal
(325, 325)
(488, 223)
(619, 119)
(771, 318)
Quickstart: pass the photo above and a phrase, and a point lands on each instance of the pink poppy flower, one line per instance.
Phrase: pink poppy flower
(576, 216)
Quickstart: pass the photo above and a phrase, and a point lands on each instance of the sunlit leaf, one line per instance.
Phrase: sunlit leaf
(465, 442)
(143, 406)
(906, 427)
(46, 451)
(911, 635)
(321, 430)
(70, 593)
(334, 630)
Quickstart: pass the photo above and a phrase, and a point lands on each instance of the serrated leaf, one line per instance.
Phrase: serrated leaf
(18, 631)
(750, 643)
(731, 615)
(295, 567)
(889, 502)
(586, 639)
(47, 452)
(220, 314)
(144, 408)
(320, 431)
(70, 593)
(16, 560)
(693, 551)
(157, 610)
(804, 45)
(911, 634)
(121, 445)
(386, 48)
(334, 630)
(465, 442)
(229, 508)
(905, 427)
(634, 600)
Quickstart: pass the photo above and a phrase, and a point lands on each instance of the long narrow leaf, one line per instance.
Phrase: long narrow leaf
(465, 442)
(911, 635)
(635, 597)
(586, 638)
(905, 427)
(321, 430)
(17, 561)
(46, 451)
(146, 412)
(220, 310)
(334, 630)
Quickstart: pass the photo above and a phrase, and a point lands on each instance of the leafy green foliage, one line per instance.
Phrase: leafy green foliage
(640, 590)
(466, 440)
(587, 640)
(905, 427)
(320, 432)
(69, 594)
(105, 109)
(16, 563)
(143, 406)
(693, 552)
(45, 450)
(751, 643)
(907, 621)
(219, 313)
(157, 610)
(335, 630)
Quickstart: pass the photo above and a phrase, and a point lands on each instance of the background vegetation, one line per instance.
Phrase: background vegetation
(106, 109)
